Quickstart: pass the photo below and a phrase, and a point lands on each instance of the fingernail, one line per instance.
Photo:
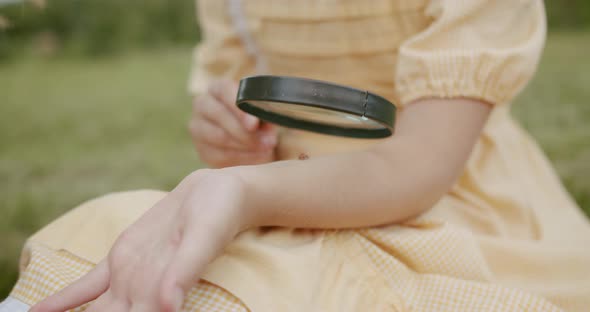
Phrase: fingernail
(251, 122)
(269, 140)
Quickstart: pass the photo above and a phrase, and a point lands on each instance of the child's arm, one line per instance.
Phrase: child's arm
(388, 183)
(156, 261)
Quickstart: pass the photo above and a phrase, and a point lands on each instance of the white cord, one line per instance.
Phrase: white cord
(236, 11)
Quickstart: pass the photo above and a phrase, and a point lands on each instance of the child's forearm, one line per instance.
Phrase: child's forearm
(389, 183)
(347, 190)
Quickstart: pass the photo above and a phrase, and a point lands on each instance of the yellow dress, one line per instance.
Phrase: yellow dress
(506, 237)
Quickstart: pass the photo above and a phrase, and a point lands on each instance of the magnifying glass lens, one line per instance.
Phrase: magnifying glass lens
(318, 115)
(317, 106)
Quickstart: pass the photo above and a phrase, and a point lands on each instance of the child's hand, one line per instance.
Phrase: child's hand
(161, 256)
(224, 135)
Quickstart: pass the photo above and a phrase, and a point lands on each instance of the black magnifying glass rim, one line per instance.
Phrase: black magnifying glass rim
(320, 94)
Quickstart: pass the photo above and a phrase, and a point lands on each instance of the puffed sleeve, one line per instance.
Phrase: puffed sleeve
(221, 53)
(484, 49)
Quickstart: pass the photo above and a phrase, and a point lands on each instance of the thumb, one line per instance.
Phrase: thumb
(268, 127)
(268, 134)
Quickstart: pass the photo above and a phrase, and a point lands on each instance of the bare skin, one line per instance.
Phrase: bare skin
(224, 135)
(161, 256)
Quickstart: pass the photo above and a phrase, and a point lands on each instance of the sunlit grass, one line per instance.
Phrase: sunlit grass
(73, 129)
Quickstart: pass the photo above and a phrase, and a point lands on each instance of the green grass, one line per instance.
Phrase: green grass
(73, 129)
(555, 109)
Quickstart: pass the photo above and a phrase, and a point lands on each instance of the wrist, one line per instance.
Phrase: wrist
(237, 182)
(228, 183)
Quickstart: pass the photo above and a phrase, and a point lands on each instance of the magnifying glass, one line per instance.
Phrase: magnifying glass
(316, 106)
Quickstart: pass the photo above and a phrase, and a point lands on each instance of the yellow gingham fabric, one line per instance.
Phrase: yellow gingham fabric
(421, 265)
(49, 270)
(506, 237)
(439, 274)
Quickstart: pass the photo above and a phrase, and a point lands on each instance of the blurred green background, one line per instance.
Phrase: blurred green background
(93, 100)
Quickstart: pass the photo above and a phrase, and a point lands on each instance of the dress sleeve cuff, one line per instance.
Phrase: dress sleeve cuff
(488, 76)
(480, 49)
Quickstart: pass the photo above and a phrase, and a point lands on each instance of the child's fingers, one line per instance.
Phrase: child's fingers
(223, 157)
(86, 289)
(204, 131)
(268, 134)
(267, 127)
(107, 302)
(210, 109)
(225, 91)
(184, 269)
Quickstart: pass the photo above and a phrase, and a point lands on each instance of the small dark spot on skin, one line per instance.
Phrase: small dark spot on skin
(303, 156)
